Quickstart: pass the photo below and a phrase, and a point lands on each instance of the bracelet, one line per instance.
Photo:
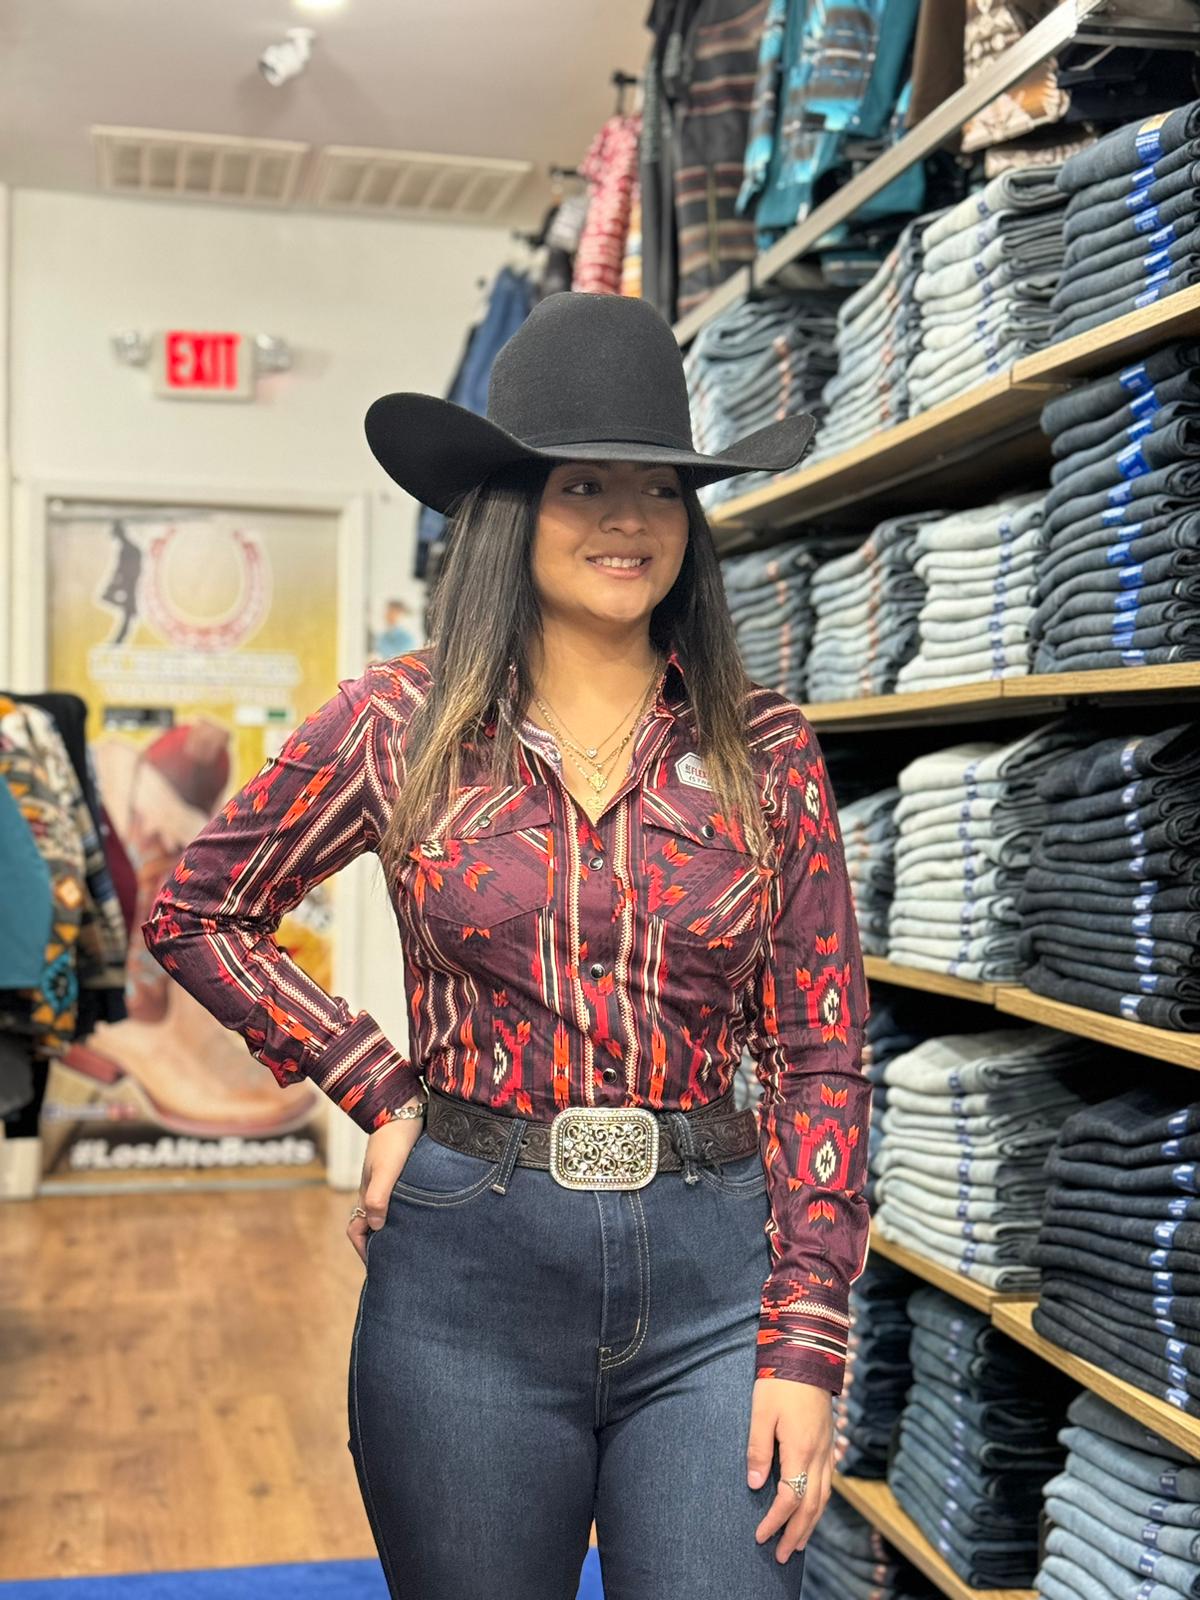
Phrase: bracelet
(410, 1112)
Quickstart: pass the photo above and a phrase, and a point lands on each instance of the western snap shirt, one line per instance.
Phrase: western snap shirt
(552, 961)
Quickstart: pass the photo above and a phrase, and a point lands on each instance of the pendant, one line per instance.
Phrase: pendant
(591, 754)
(597, 781)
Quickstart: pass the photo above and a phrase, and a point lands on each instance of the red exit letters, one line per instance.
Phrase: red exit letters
(204, 362)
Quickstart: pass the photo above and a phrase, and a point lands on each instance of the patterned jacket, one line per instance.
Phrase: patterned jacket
(551, 961)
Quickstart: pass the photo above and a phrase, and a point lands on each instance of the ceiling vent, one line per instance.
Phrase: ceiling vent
(198, 166)
(399, 183)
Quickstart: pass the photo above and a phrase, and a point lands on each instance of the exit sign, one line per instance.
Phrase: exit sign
(203, 366)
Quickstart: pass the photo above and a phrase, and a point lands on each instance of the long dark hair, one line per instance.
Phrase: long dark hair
(484, 614)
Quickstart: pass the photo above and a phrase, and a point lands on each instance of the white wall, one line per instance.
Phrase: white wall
(367, 307)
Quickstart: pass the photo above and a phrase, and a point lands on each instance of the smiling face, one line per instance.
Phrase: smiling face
(610, 541)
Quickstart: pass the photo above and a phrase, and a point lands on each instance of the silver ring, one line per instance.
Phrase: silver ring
(798, 1485)
(357, 1212)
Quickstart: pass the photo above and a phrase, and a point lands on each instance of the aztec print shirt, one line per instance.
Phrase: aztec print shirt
(550, 961)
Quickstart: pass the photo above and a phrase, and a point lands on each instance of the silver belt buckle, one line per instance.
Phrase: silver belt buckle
(604, 1147)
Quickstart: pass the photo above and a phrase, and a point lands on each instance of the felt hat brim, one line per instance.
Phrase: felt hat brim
(437, 450)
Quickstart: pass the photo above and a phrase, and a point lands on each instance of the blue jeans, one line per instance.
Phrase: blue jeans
(526, 1361)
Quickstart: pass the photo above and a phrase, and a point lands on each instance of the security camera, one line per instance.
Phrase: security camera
(279, 62)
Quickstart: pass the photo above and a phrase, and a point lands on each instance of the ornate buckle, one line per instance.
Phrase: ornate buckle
(604, 1147)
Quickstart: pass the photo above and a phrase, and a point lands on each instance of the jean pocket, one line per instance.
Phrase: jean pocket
(436, 1175)
(739, 1179)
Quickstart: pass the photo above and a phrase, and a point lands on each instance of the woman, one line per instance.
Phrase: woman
(614, 862)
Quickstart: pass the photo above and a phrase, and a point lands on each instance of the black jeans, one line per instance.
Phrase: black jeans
(1106, 396)
(1050, 1325)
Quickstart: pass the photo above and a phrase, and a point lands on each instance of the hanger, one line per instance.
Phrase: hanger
(621, 81)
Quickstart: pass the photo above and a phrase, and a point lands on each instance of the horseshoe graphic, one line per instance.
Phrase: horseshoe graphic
(243, 618)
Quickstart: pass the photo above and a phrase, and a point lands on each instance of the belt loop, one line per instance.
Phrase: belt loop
(508, 1160)
(685, 1143)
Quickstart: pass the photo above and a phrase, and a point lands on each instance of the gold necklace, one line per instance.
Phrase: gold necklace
(597, 777)
(593, 750)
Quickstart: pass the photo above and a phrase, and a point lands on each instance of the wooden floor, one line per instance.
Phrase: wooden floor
(173, 1374)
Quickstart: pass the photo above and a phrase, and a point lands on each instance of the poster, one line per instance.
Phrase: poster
(199, 639)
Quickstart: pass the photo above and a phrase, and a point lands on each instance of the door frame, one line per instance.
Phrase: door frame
(25, 668)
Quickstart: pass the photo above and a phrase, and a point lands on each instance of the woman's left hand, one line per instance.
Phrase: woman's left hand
(800, 1416)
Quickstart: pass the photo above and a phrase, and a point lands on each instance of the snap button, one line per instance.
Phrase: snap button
(708, 830)
(609, 1074)
(597, 969)
(596, 863)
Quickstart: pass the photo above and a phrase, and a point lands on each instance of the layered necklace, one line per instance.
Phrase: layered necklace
(594, 762)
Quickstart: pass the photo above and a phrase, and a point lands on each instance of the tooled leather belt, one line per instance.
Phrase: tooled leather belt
(718, 1133)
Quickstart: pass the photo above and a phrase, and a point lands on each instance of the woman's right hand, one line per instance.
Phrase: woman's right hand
(387, 1152)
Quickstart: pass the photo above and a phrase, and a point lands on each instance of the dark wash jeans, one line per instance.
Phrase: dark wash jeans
(525, 1361)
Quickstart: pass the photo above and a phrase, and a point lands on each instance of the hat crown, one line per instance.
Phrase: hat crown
(591, 368)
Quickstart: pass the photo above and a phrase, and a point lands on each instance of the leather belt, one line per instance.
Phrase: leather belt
(596, 1147)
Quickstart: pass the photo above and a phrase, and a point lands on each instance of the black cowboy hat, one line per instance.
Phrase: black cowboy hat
(588, 377)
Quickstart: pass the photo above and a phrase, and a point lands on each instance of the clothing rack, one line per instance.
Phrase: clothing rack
(1071, 22)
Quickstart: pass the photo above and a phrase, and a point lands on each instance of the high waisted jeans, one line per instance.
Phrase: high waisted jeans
(526, 1361)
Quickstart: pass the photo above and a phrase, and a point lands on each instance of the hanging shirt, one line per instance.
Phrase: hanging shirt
(610, 167)
(26, 879)
(550, 961)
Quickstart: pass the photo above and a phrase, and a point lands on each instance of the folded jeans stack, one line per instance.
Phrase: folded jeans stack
(991, 265)
(898, 1022)
(1132, 224)
(769, 595)
(979, 568)
(867, 602)
(977, 1440)
(1118, 1243)
(847, 1559)
(1110, 905)
(878, 334)
(968, 819)
(878, 1371)
(755, 363)
(869, 842)
(1119, 578)
(968, 1123)
(1123, 1514)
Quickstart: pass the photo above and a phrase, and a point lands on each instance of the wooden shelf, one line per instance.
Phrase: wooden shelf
(1181, 1048)
(876, 1502)
(1038, 693)
(1015, 1318)
(881, 970)
(934, 456)
(965, 1289)
(1112, 683)
(925, 706)
(1113, 343)
(934, 459)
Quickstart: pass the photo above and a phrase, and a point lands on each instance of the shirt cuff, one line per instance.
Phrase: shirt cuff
(823, 1372)
(802, 1338)
(364, 1074)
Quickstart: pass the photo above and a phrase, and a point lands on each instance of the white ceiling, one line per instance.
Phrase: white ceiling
(520, 79)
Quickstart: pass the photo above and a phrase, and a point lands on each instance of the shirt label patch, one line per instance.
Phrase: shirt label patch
(689, 769)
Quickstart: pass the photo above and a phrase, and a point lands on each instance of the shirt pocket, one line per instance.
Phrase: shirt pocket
(704, 885)
(488, 858)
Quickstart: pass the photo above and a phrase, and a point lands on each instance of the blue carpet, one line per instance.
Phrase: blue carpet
(321, 1580)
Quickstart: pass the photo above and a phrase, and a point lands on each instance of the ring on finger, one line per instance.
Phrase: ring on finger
(798, 1485)
(357, 1212)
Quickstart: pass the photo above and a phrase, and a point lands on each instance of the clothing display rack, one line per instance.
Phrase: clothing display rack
(1074, 21)
(962, 453)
